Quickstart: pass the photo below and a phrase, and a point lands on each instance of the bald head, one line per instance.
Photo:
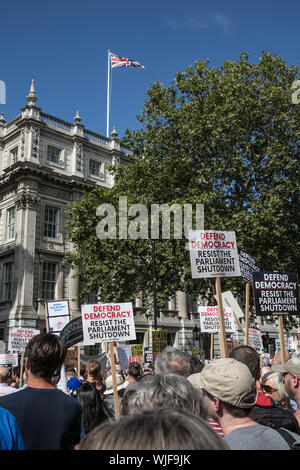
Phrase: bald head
(4, 375)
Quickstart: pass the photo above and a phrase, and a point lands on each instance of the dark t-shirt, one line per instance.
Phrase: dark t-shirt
(48, 418)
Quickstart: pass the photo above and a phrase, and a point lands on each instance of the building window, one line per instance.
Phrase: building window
(14, 155)
(53, 155)
(96, 168)
(51, 222)
(10, 232)
(7, 281)
(49, 280)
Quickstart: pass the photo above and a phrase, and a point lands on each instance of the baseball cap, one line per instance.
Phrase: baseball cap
(292, 366)
(195, 379)
(230, 381)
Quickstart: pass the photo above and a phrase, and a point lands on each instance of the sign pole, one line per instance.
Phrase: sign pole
(222, 333)
(21, 372)
(47, 319)
(247, 314)
(211, 346)
(281, 339)
(113, 371)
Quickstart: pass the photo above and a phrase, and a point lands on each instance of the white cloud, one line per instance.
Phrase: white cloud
(194, 23)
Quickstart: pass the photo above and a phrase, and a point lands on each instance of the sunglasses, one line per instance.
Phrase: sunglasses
(269, 389)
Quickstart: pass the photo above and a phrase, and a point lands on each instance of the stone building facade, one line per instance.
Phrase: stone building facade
(46, 163)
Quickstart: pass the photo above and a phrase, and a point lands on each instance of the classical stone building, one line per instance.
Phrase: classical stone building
(46, 163)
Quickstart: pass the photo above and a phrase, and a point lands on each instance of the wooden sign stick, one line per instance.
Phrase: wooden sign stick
(113, 371)
(281, 339)
(222, 333)
(21, 372)
(211, 346)
(247, 314)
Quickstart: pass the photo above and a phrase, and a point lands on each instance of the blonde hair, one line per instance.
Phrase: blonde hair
(93, 369)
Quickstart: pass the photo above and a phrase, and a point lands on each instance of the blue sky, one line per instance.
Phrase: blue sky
(63, 45)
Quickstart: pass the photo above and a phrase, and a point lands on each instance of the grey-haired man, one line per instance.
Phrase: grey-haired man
(230, 394)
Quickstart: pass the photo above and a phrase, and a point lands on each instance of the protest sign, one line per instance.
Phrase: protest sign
(248, 265)
(159, 342)
(108, 322)
(255, 340)
(19, 337)
(213, 254)
(210, 319)
(276, 293)
(58, 315)
(148, 357)
(136, 353)
(9, 359)
(72, 333)
(124, 355)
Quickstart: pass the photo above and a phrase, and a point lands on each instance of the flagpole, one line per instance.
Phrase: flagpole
(108, 93)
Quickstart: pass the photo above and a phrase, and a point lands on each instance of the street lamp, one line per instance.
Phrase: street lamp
(154, 283)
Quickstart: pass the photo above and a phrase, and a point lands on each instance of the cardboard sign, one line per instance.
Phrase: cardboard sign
(19, 337)
(276, 293)
(210, 322)
(72, 333)
(148, 357)
(58, 315)
(9, 359)
(213, 254)
(248, 265)
(255, 340)
(136, 353)
(104, 323)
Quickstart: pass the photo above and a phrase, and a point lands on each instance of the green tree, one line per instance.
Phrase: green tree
(226, 137)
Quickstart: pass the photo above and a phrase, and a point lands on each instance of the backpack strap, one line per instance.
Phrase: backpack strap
(287, 437)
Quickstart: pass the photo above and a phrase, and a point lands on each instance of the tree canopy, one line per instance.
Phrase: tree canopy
(226, 137)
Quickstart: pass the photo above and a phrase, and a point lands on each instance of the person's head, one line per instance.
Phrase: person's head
(163, 391)
(277, 359)
(172, 361)
(110, 386)
(291, 372)
(249, 357)
(228, 387)
(158, 429)
(93, 369)
(134, 370)
(125, 402)
(4, 375)
(91, 403)
(71, 373)
(45, 354)
(16, 373)
(273, 386)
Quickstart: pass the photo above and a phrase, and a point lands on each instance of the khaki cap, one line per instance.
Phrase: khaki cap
(230, 381)
(195, 379)
(292, 366)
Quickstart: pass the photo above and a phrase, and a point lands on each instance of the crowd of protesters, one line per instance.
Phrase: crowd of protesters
(242, 402)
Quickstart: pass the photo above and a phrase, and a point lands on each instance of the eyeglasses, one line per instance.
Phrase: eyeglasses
(269, 389)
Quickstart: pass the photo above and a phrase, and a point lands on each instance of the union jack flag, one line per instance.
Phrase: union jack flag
(117, 61)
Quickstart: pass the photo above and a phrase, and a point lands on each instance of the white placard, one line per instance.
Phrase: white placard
(254, 337)
(58, 315)
(213, 254)
(9, 359)
(19, 337)
(209, 319)
(103, 323)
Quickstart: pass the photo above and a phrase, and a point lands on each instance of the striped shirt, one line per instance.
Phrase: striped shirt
(216, 427)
